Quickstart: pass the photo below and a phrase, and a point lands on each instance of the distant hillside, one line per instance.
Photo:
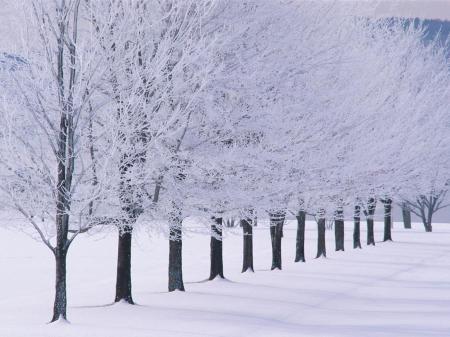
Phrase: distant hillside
(435, 29)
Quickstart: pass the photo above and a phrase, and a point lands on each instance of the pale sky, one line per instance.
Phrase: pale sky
(427, 9)
(10, 15)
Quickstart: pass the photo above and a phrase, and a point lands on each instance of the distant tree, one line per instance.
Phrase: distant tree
(321, 245)
(369, 212)
(339, 229)
(425, 206)
(387, 203)
(406, 214)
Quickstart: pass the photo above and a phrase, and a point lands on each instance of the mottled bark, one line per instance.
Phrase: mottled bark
(300, 240)
(60, 304)
(175, 253)
(123, 279)
(216, 249)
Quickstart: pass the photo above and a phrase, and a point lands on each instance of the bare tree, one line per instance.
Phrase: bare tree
(425, 206)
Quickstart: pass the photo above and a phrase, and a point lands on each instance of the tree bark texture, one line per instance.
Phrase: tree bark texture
(300, 240)
(276, 234)
(60, 304)
(216, 249)
(371, 205)
(387, 203)
(247, 261)
(339, 230)
(175, 254)
(123, 279)
(321, 248)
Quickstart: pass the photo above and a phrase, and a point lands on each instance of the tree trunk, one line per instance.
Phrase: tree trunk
(321, 249)
(339, 231)
(175, 255)
(357, 228)
(370, 233)
(123, 281)
(429, 227)
(247, 262)
(371, 206)
(387, 220)
(60, 304)
(426, 220)
(300, 241)
(406, 212)
(216, 249)
(276, 233)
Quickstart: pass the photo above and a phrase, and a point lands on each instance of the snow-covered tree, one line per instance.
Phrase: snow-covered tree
(55, 160)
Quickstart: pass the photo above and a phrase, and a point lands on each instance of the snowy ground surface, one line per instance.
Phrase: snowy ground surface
(398, 289)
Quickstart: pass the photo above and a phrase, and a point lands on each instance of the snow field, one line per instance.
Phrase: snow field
(395, 289)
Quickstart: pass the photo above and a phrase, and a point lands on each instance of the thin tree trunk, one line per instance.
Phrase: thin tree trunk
(175, 255)
(300, 241)
(321, 249)
(60, 304)
(123, 280)
(357, 228)
(247, 262)
(276, 232)
(406, 212)
(339, 231)
(216, 249)
(387, 220)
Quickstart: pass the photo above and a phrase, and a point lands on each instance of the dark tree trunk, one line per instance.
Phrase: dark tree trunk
(321, 249)
(216, 249)
(428, 218)
(276, 234)
(123, 281)
(370, 232)
(247, 261)
(300, 241)
(175, 255)
(357, 228)
(387, 219)
(339, 230)
(406, 212)
(371, 205)
(60, 305)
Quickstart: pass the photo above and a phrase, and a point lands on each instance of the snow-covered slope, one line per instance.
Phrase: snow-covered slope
(397, 289)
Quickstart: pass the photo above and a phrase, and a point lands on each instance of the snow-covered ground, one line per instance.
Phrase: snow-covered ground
(398, 289)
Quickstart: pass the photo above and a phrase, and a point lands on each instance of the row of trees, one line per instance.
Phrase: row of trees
(124, 113)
